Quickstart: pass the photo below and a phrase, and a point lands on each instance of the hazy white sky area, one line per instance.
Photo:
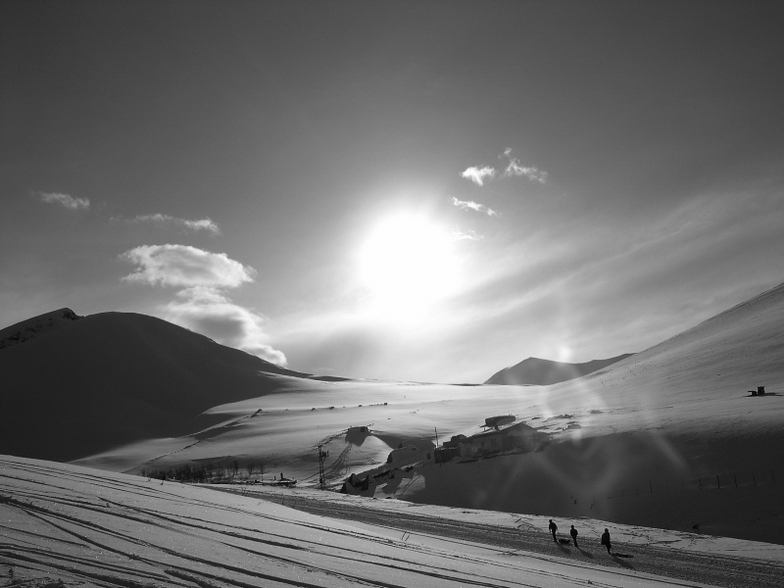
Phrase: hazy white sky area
(406, 190)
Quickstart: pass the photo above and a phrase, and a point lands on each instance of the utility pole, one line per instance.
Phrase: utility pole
(322, 455)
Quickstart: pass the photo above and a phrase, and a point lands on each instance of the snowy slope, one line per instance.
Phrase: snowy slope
(111, 378)
(669, 437)
(64, 525)
(661, 438)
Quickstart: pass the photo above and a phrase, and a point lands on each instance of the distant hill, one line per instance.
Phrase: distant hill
(542, 372)
(73, 385)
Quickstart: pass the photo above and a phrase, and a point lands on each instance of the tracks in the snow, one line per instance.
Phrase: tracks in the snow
(732, 572)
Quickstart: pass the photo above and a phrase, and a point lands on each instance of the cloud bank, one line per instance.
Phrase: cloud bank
(64, 200)
(201, 305)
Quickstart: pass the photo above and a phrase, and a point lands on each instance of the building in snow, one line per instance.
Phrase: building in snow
(500, 435)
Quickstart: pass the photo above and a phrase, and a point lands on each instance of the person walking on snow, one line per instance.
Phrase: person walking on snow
(553, 530)
(573, 533)
(606, 540)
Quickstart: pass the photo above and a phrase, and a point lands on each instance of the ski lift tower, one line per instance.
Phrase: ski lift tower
(322, 455)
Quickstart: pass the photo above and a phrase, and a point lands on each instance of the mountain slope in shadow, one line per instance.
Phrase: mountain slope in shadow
(543, 372)
(77, 385)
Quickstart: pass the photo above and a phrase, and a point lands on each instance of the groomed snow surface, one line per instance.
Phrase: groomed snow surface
(66, 525)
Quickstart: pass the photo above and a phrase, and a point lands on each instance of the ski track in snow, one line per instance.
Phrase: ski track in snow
(67, 525)
(129, 547)
(650, 554)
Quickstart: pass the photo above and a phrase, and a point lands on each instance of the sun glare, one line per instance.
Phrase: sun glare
(564, 353)
(407, 262)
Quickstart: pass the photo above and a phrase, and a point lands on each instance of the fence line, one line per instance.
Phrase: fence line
(712, 482)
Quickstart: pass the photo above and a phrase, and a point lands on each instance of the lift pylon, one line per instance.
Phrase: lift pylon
(322, 456)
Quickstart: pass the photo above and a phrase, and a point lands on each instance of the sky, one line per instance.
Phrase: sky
(425, 191)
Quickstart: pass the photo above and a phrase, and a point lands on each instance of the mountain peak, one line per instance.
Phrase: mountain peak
(31, 328)
(542, 372)
(112, 378)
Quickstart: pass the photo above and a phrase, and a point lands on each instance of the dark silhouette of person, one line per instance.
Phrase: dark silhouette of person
(553, 530)
(606, 540)
(573, 533)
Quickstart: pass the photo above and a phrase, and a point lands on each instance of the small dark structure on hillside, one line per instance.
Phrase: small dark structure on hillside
(760, 391)
(498, 421)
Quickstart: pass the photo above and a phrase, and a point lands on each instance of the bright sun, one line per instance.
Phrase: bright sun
(407, 262)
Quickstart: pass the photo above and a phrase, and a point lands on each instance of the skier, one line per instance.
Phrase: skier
(606, 540)
(573, 533)
(553, 529)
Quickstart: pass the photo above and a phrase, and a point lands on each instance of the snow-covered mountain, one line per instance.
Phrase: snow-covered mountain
(670, 437)
(36, 326)
(543, 372)
(73, 386)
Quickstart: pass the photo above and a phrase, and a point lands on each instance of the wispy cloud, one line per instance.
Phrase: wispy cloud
(479, 174)
(469, 235)
(471, 205)
(201, 304)
(64, 200)
(164, 220)
(515, 169)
